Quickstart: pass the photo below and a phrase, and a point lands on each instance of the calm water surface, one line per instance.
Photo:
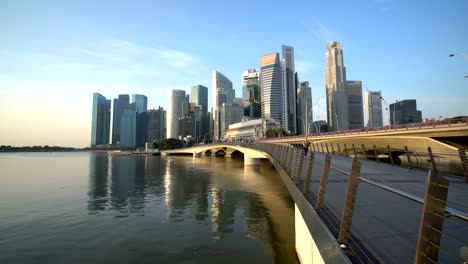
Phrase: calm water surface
(89, 207)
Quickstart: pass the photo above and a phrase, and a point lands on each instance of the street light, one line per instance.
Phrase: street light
(388, 112)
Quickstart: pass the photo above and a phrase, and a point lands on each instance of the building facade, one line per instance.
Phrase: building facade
(373, 112)
(156, 124)
(289, 89)
(405, 112)
(128, 128)
(223, 93)
(200, 98)
(176, 107)
(100, 126)
(336, 86)
(271, 87)
(251, 93)
(141, 102)
(230, 114)
(250, 129)
(355, 110)
(119, 105)
(304, 108)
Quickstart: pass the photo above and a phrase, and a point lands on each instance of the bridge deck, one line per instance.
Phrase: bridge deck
(387, 225)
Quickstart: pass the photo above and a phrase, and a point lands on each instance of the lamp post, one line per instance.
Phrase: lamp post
(388, 111)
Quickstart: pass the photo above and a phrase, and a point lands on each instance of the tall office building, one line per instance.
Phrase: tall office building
(100, 126)
(223, 93)
(156, 124)
(304, 107)
(141, 103)
(289, 88)
(337, 92)
(128, 127)
(141, 106)
(251, 93)
(355, 109)
(200, 98)
(177, 100)
(373, 110)
(119, 105)
(405, 112)
(271, 87)
(230, 114)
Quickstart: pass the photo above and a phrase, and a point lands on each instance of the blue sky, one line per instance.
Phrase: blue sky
(55, 54)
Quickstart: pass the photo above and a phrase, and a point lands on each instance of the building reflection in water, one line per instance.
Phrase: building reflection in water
(223, 193)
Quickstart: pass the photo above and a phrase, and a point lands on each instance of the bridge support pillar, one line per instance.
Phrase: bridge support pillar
(306, 249)
(248, 161)
(228, 156)
(197, 154)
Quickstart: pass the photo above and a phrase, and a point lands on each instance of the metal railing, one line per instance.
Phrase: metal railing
(435, 211)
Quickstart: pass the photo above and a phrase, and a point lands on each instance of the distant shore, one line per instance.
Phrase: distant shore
(7, 149)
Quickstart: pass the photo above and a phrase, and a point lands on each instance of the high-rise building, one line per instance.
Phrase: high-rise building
(271, 87)
(355, 110)
(100, 126)
(289, 88)
(251, 93)
(176, 107)
(337, 92)
(128, 127)
(374, 110)
(405, 112)
(230, 114)
(141, 102)
(141, 106)
(156, 124)
(200, 98)
(223, 93)
(304, 107)
(119, 105)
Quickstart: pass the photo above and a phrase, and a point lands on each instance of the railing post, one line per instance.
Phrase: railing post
(431, 156)
(433, 216)
(347, 219)
(390, 154)
(289, 165)
(323, 182)
(326, 145)
(354, 150)
(313, 146)
(364, 152)
(309, 173)
(408, 156)
(300, 165)
(339, 150)
(321, 144)
(346, 150)
(464, 161)
(333, 149)
(376, 154)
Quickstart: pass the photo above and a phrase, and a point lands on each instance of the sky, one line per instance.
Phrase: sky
(55, 54)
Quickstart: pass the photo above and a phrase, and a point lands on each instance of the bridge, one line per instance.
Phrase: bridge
(349, 210)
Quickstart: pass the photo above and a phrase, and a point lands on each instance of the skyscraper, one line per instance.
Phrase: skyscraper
(374, 110)
(355, 104)
(304, 107)
(141, 106)
(128, 127)
(119, 105)
(230, 114)
(100, 126)
(289, 88)
(141, 102)
(223, 93)
(175, 109)
(200, 98)
(156, 124)
(337, 92)
(271, 86)
(405, 112)
(251, 93)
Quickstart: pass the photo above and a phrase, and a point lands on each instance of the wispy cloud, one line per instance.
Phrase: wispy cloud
(324, 33)
(304, 67)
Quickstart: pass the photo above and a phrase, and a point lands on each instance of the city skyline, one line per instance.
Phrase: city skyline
(53, 58)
